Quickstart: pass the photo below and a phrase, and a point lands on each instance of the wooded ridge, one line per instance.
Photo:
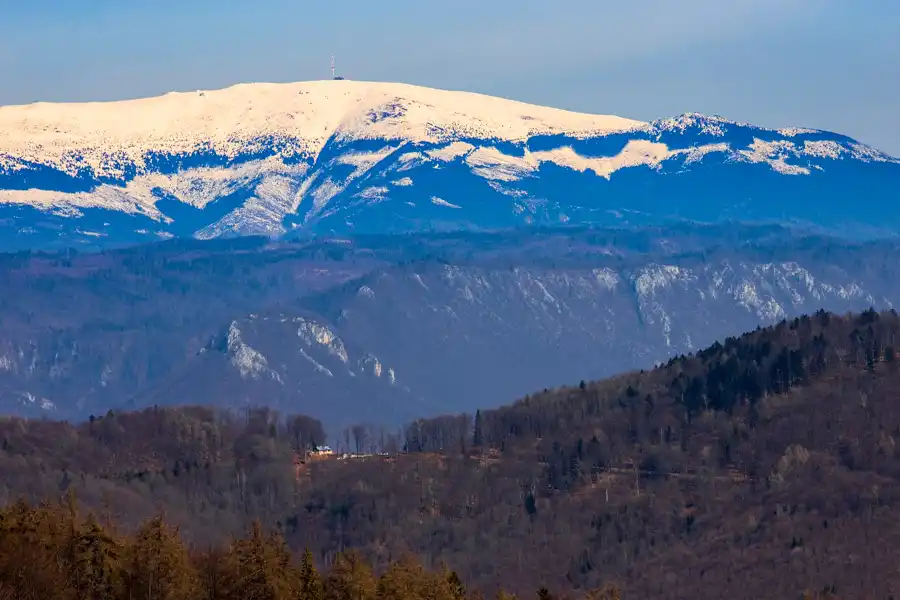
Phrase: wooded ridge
(759, 467)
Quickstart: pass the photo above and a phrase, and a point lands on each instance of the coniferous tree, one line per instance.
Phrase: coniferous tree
(30, 549)
(159, 567)
(97, 563)
(478, 432)
(456, 587)
(212, 576)
(544, 594)
(259, 568)
(606, 592)
(403, 579)
(309, 581)
(350, 578)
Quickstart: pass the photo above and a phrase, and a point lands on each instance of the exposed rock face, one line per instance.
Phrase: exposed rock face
(387, 329)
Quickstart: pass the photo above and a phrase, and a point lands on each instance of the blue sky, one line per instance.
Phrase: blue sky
(830, 64)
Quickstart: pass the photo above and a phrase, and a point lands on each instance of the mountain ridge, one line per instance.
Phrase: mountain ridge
(336, 157)
(387, 328)
(329, 108)
(112, 131)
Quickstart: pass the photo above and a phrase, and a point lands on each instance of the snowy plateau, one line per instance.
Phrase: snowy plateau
(339, 157)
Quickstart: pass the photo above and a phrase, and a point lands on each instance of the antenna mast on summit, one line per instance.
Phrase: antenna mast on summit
(332, 66)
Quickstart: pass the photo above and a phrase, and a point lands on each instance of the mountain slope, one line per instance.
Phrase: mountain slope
(448, 338)
(344, 156)
(389, 328)
(758, 467)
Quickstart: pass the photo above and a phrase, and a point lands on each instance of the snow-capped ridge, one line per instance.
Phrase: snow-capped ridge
(717, 125)
(365, 157)
(708, 124)
(297, 117)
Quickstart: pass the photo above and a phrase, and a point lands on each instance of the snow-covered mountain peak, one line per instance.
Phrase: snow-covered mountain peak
(349, 156)
(709, 124)
(717, 125)
(305, 115)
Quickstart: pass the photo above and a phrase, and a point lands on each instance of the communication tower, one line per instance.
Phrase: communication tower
(334, 76)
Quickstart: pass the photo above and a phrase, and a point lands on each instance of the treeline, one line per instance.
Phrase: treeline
(213, 469)
(733, 375)
(49, 552)
(652, 422)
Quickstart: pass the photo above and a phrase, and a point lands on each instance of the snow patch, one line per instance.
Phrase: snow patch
(774, 154)
(658, 277)
(869, 154)
(709, 125)
(696, 153)
(607, 278)
(768, 308)
(823, 149)
(442, 202)
(316, 365)
(793, 131)
(451, 151)
(490, 163)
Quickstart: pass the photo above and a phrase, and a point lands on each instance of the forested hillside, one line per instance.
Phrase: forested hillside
(50, 552)
(759, 467)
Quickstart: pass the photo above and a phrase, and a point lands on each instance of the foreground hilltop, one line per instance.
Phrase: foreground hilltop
(758, 467)
(342, 156)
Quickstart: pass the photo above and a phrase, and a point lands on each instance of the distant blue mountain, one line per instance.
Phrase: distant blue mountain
(340, 157)
(387, 328)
